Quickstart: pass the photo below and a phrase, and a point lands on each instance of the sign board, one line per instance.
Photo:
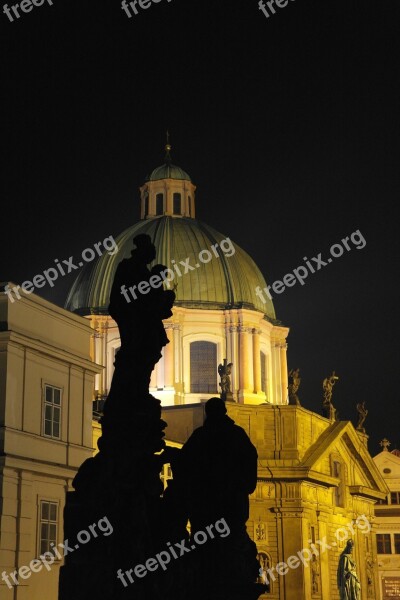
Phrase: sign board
(390, 587)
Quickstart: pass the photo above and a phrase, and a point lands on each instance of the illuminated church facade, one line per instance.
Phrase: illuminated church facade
(315, 475)
(217, 313)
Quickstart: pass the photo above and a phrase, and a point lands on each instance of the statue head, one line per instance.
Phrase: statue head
(215, 408)
(145, 249)
(349, 547)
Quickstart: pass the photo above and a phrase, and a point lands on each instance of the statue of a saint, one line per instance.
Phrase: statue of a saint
(224, 371)
(294, 384)
(139, 309)
(362, 415)
(347, 578)
(327, 386)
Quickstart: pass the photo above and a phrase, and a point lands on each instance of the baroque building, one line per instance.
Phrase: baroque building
(46, 393)
(217, 313)
(387, 513)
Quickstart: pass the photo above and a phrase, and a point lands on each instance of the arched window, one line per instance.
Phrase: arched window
(159, 204)
(177, 203)
(263, 361)
(203, 368)
(146, 206)
(190, 206)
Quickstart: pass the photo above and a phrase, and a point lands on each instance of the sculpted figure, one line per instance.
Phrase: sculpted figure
(294, 384)
(216, 471)
(347, 578)
(224, 371)
(362, 415)
(327, 386)
(139, 308)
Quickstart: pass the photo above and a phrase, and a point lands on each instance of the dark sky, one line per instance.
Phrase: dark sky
(289, 126)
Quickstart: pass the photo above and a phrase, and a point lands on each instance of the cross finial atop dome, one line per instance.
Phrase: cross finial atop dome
(385, 444)
(168, 149)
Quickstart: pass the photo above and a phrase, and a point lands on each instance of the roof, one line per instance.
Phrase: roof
(227, 280)
(168, 171)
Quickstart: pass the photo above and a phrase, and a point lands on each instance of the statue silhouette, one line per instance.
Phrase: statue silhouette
(215, 472)
(123, 480)
(139, 308)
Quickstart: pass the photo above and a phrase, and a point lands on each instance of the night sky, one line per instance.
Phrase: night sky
(289, 126)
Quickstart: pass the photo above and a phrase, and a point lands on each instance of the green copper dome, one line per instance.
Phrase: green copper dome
(228, 280)
(168, 171)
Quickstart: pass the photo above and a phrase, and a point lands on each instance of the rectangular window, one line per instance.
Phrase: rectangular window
(52, 412)
(48, 524)
(395, 498)
(383, 543)
(384, 501)
(397, 543)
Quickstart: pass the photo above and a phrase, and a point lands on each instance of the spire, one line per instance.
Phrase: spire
(168, 149)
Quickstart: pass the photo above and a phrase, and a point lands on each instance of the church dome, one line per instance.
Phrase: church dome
(168, 171)
(228, 280)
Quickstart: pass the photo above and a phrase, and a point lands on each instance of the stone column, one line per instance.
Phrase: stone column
(284, 373)
(245, 363)
(169, 358)
(178, 364)
(177, 353)
(256, 360)
(243, 359)
(233, 330)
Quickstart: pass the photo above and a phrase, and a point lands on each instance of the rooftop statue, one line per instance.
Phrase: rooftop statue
(294, 384)
(327, 386)
(362, 415)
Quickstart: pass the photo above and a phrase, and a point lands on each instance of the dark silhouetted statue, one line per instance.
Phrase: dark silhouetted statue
(215, 472)
(122, 482)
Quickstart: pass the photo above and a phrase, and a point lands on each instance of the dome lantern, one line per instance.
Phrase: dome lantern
(168, 191)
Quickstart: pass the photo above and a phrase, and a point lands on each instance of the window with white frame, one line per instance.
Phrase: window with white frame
(48, 524)
(52, 412)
